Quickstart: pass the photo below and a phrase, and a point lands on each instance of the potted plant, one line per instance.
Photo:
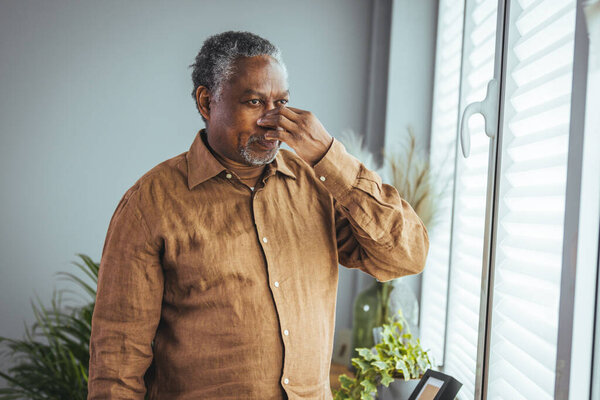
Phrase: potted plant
(391, 369)
(51, 361)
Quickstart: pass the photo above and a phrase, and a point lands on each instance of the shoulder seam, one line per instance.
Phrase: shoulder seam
(138, 212)
(150, 173)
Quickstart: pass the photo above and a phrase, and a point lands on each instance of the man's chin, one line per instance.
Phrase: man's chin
(259, 158)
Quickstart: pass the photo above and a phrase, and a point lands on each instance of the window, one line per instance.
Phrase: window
(491, 289)
(531, 199)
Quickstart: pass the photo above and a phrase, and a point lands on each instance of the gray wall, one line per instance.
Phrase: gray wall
(95, 93)
(412, 62)
(410, 83)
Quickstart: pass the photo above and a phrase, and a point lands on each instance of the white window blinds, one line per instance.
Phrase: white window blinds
(531, 200)
(443, 135)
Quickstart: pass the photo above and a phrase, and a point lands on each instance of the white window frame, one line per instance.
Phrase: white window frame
(580, 246)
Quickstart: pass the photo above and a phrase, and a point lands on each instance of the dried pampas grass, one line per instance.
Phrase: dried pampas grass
(410, 173)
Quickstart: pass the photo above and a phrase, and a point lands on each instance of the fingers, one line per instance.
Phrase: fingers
(277, 122)
(293, 114)
(296, 110)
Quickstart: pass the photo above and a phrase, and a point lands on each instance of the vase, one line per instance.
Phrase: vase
(367, 314)
(379, 301)
(399, 389)
(403, 298)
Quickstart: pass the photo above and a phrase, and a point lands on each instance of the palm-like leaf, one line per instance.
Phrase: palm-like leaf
(51, 361)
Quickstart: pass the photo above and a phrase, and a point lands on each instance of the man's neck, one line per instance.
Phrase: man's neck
(249, 174)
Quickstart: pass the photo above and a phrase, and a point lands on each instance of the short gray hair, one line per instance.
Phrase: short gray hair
(214, 62)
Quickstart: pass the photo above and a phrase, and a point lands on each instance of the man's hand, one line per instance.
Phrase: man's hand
(300, 130)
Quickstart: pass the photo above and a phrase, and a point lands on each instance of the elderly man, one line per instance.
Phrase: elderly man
(219, 272)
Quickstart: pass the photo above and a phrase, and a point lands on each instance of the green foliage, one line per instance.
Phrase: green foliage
(398, 355)
(51, 361)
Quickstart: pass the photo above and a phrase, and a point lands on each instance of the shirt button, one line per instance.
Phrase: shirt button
(265, 240)
(286, 332)
(322, 179)
(286, 381)
(276, 284)
(228, 176)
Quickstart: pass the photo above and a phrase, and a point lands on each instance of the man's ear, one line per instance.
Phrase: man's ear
(203, 101)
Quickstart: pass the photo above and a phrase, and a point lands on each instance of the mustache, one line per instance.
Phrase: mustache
(256, 138)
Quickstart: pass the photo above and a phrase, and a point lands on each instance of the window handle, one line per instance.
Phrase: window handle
(488, 107)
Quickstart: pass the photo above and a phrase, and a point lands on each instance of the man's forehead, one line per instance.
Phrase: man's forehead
(257, 75)
(253, 67)
(258, 92)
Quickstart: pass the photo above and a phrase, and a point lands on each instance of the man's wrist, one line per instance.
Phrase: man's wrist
(314, 161)
(337, 170)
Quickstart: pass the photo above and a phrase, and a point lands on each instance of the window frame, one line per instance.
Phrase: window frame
(578, 280)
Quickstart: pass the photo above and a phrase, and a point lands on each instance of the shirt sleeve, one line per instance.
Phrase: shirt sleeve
(128, 305)
(377, 231)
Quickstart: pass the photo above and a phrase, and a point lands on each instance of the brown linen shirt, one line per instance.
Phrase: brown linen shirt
(209, 290)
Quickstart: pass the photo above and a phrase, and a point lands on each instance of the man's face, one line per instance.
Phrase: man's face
(258, 84)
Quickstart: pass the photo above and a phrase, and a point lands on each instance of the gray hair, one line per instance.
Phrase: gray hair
(214, 62)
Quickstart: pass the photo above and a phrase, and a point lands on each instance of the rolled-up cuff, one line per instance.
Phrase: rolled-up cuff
(337, 170)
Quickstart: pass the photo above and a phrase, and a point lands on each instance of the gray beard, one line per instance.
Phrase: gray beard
(253, 158)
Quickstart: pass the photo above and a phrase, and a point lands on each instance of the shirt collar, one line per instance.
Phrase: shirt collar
(202, 165)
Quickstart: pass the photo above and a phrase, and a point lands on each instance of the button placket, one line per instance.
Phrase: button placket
(276, 284)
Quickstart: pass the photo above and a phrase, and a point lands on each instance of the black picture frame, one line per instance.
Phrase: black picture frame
(447, 391)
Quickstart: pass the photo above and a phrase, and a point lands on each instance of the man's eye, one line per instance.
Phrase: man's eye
(254, 102)
(283, 101)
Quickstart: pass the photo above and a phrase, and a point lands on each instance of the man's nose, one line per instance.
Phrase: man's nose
(270, 105)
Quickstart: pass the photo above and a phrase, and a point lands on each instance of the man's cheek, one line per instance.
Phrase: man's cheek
(249, 120)
(244, 116)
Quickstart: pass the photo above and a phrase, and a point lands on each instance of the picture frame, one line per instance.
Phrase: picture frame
(435, 385)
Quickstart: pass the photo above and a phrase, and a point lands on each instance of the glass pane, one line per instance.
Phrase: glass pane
(529, 241)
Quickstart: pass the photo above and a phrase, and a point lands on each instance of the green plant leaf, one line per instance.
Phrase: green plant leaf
(361, 364)
(380, 364)
(367, 354)
(369, 386)
(346, 381)
(401, 366)
(386, 379)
